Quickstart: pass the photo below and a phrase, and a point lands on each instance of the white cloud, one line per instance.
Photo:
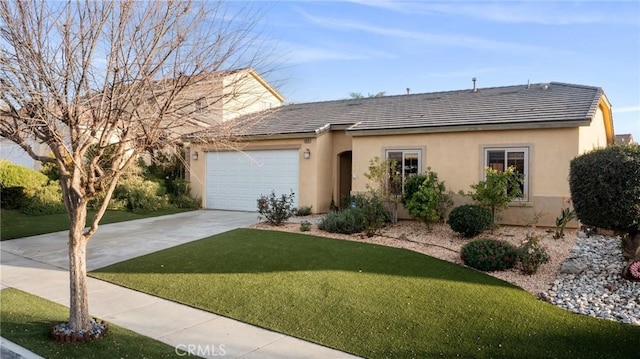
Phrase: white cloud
(545, 13)
(455, 40)
(304, 53)
(626, 109)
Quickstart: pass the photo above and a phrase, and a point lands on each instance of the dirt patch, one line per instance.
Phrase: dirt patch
(441, 242)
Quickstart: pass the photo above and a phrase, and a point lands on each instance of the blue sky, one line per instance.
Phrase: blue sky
(330, 49)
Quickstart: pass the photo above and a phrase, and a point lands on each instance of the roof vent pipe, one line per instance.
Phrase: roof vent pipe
(408, 90)
(528, 84)
(474, 84)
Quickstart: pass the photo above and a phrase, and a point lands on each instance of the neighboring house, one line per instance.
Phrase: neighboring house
(321, 151)
(219, 97)
(624, 138)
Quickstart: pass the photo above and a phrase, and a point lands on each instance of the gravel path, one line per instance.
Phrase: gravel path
(598, 290)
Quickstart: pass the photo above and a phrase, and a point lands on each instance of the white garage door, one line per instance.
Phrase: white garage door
(235, 180)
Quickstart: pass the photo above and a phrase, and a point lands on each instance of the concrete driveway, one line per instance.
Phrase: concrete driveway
(117, 242)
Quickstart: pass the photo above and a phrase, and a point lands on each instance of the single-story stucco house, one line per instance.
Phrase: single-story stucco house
(321, 151)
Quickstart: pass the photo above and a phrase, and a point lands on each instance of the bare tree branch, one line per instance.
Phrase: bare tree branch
(99, 82)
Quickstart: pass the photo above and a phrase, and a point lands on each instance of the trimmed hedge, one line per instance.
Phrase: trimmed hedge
(489, 254)
(605, 187)
(470, 219)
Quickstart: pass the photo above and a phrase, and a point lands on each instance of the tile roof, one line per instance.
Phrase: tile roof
(542, 104)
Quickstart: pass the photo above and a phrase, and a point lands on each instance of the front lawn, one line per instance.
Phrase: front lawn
(26, 318)
(369, 300)
(14, 224)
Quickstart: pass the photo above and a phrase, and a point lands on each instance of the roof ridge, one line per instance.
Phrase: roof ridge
(448, 92)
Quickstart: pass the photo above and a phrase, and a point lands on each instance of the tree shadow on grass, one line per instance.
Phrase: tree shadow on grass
(260, 251)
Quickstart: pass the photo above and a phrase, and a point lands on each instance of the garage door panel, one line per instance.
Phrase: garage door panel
(235, 180)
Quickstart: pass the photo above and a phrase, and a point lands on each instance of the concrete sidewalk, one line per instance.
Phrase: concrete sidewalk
(38, 265)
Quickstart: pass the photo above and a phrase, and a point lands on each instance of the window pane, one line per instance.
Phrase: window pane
(516, 160)
(410, 164)
(495, 160)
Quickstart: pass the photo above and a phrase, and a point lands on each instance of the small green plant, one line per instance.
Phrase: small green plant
(385, 181)
(274, 209)
(531, 255)
(412, 185)
(431, 201)
(470, 219)
(303, 211)
(566, 215)
(498, 189)
(374, 212)
(305, 226)
(489, 254)
(346, 221)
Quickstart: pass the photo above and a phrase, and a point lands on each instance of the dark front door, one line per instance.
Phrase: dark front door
(344, 178)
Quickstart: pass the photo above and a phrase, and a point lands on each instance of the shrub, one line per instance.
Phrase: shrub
(46, 200)
(531, 255)
(346, 221)
(489, 254)
(605, 187)
(430, 202)
(374, 213)
(411, 186)
(470, 219)
(305, 226)
(12, 197)
(498, 189)
(13, 175)
(276, 210)
(140, 195)
(304, 211)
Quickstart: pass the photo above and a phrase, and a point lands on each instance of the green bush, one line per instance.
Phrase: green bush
(305, 226)
(489, 254)
(13, 175)
(605, 187)
(303, 211)
(531, 255)
(498, 189)
(346, 221)
(470, 219)
(12, 197)
(276, 210)
(375, 215)
(140, 195)
(46, 200)
(430, 202)
(411, 186)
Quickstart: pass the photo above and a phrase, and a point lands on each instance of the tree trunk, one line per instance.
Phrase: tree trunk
(79, 298)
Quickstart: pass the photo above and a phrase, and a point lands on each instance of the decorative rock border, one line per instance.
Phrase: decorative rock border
(591, 282)
(61, 333)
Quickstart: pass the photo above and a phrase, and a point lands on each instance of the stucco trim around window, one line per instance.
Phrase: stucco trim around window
(502, 156)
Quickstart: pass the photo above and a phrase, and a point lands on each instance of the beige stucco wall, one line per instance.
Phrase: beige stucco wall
(458, 158)
(244, 94)
(593, 136)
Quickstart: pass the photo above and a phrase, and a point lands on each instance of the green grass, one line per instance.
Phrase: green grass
(370, 300)
(14, 224)
(26, 318)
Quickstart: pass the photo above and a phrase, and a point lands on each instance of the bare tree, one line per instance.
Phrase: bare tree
(99, 82)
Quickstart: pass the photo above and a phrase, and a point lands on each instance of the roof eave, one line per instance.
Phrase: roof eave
(470, 128)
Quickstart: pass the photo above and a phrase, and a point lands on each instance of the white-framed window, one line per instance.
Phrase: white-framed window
(500, 158)
(408, 162)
